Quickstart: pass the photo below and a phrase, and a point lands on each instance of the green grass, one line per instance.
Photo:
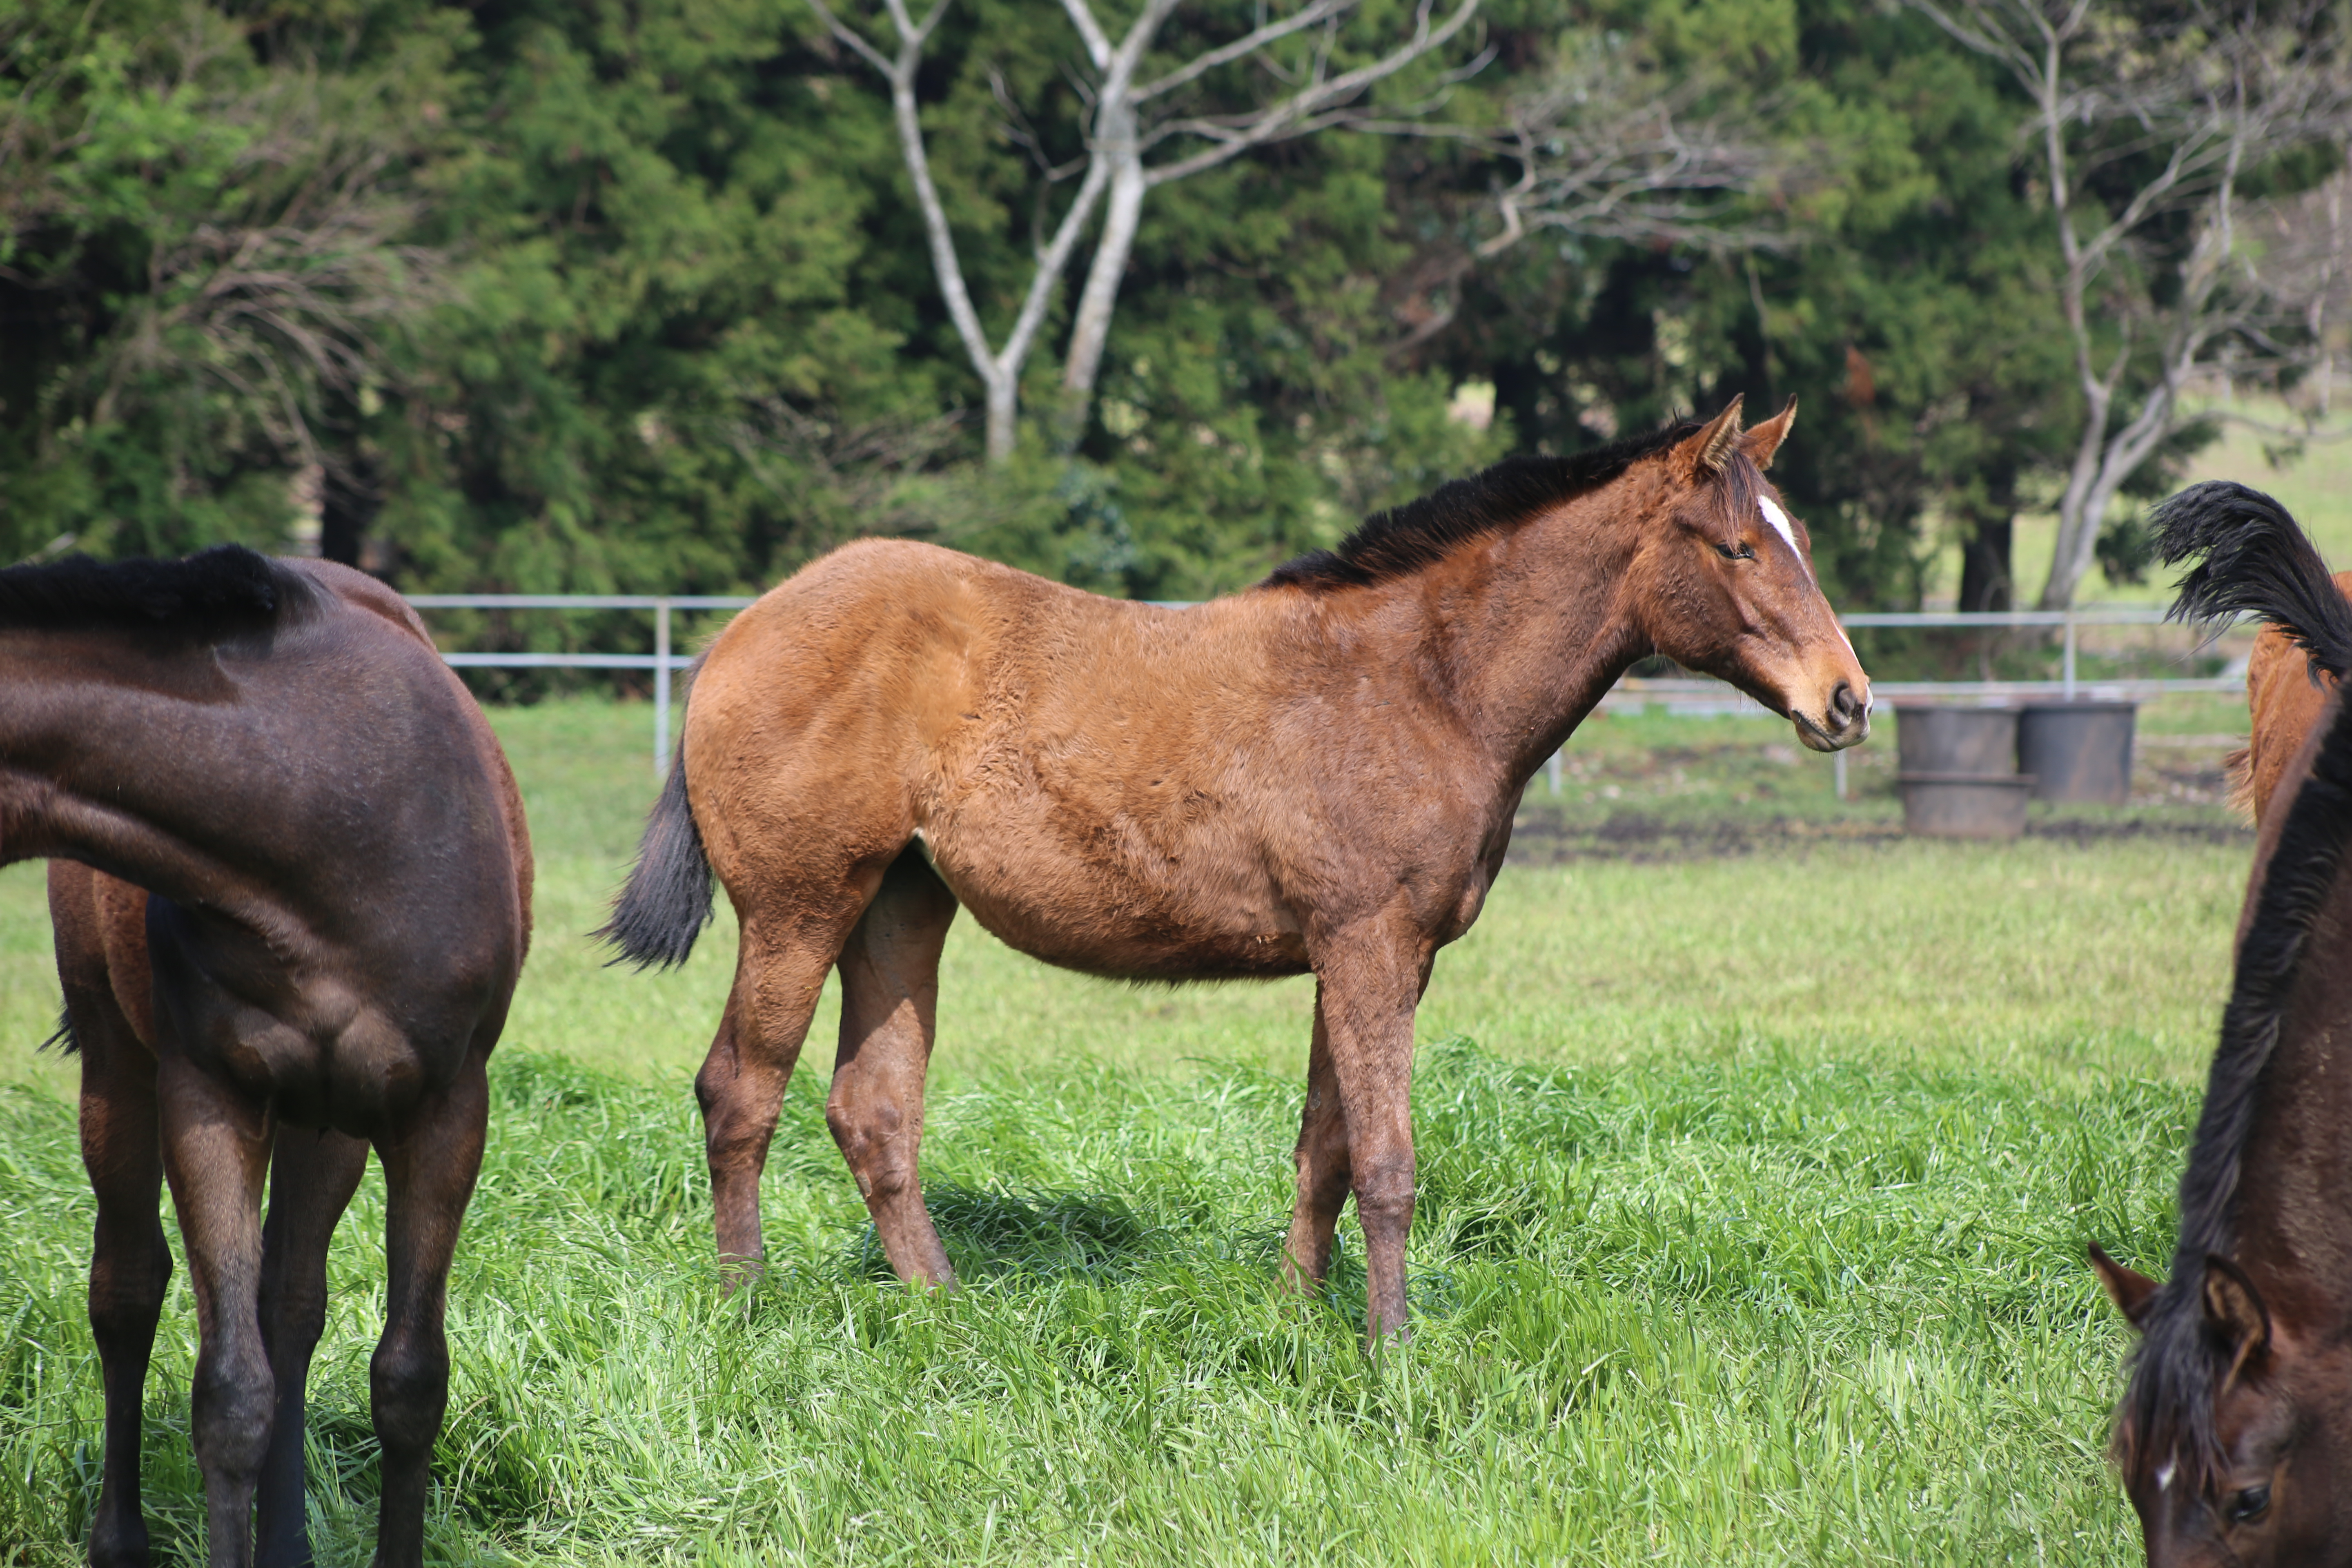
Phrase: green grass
(1756, 1163)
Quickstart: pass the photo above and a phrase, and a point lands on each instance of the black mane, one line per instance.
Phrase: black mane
(224, 589)
(2170, 1398)
(1407, 538)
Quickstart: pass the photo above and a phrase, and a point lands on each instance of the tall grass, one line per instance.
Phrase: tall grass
(1752, 1197)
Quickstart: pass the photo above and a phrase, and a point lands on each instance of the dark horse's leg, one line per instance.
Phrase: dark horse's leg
(430, 1162)
(1367, 990)
(1323, 1169)
(130, 1263)
(217, 1151)
(311, 1177)
(779, 975)
(889, 998)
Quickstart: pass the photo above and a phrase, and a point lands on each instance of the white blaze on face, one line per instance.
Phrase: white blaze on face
(1780, 524)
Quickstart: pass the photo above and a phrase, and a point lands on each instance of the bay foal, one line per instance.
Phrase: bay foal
(1317, 775)
(2235, 1431)
(291, 889)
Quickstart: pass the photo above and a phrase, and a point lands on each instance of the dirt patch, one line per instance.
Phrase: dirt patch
(1547, 839)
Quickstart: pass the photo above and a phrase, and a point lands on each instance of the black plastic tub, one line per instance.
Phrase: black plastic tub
(2078, 751)
(1942, 738)
(1964, 806)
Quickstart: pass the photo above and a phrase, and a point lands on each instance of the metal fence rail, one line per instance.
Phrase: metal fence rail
(1631, 690)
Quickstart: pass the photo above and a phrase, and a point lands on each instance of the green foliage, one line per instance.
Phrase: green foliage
(548, 297)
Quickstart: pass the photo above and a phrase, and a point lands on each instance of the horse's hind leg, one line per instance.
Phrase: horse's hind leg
(429, 1165)
(1324, 1172)
(131, 1262)
(311, 1178)
(778, 979)
(889, 998)
(215, 1151)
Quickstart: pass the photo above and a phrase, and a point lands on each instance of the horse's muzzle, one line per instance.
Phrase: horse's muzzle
(1844, 721)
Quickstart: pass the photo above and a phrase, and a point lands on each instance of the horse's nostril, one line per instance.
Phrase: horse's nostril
(1844, 703)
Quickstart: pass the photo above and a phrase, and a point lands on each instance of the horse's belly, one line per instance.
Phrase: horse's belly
(1205, 922)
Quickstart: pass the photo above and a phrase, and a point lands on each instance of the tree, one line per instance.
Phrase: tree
(1123, 120)
(2150, 129)
(207, 247)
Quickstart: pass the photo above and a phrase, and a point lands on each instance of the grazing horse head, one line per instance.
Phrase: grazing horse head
(2235, 1438)
(1723, 582)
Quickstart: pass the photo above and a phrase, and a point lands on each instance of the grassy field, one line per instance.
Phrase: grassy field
(1758, 1149)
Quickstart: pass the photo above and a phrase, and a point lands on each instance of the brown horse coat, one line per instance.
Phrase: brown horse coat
(1319, 773)
(2283, 698)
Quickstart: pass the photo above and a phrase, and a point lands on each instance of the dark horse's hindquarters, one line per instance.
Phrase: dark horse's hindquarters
(1319, 773)
(292, 888)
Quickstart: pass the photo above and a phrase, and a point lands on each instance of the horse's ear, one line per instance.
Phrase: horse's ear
(1765, 439)
(1702, 455)
(2235, 1315)
(2128, 1289)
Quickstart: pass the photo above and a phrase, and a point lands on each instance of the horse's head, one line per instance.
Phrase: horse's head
(2235, 1435)
(1723, 582)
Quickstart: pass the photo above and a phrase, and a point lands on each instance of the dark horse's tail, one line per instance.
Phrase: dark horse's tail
(667, 901)
(2257, 561)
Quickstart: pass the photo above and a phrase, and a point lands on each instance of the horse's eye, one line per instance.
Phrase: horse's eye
(2250, 1505)
(1740, 552)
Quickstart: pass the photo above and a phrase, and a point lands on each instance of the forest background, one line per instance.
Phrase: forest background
(552, 297)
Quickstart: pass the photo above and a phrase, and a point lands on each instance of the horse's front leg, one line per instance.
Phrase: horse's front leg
(311, 1178)
(215, 1151)
(1367, 984)
(430, 1162)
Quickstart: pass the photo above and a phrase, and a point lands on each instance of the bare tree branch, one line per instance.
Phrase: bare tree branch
(2162, 265)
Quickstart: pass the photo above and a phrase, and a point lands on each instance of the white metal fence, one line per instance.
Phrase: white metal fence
(1705, 694)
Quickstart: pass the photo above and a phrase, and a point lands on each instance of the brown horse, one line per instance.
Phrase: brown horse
(1319, 773)
(2284, 689)
(2235, 1433)
(292, 888)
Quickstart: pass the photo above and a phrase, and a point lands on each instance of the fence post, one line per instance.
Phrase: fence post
(2070, 653)
(661, 687)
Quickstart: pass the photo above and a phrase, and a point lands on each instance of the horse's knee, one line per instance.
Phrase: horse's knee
(870, 1140)
(1384, 1186)
(408, 1389)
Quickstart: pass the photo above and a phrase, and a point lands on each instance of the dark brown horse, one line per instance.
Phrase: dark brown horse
(291, 889)
(2235, 1433)
(1319, 773)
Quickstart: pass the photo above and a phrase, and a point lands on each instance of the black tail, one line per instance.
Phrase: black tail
(2257, 561)
(68, 1043)
(667, 901)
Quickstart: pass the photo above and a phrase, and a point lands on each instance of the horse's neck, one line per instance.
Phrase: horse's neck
(1537, 631)
(2294, 1202)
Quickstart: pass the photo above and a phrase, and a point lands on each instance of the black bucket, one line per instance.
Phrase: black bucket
(2078, 751)
(1939, 738)
(1964, 806)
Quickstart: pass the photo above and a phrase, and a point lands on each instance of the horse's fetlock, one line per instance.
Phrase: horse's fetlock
(117, 1536)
